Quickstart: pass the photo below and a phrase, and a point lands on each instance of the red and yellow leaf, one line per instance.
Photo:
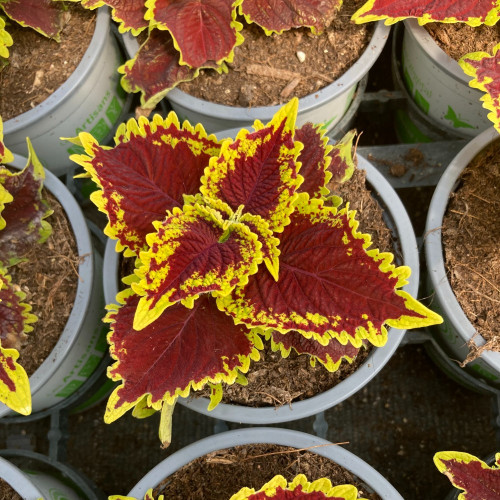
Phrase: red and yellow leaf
(14, 383)
(24, 215)
(330, 355)
(330, 285)
(15, 316)
(44, 16)
(5, 42)
(475, 478)
(194, 251)
(153, 164)
(342, 165)
(279, 489)
(315, 159)
(276, 16)
(485, 70)
(258, 172)
(15, 322)
(185, 349)
(6, 156)
(155, 69)
(471, 12)
(204, 32)
(129, 14)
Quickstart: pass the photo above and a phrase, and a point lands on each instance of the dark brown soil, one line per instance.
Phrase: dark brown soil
(38, 66)
(267, 71)
(7, 493)
(472, 249)
(460, 39)
(276, 381)
(221, 474)
(49, 279)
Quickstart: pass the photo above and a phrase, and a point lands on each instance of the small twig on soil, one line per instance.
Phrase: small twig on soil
(289, 88)
(482, 199)
(287, 452)
(480, 275)
(466, 214)
(280, 403)
(267, 71)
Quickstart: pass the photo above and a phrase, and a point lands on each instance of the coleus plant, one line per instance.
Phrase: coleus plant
(187, 35)
(22, 225)
(278, 488)
(484, 67)
(475, 478)
(235, 241)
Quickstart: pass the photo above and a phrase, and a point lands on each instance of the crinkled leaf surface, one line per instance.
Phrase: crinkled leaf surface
(5, 42)
(193, 252)
(329, 355)
(279, 489)
(24, 215)
(14, 383)
(15, 316)
(205, 32)
(472, 12)
(146, 174)
(330, 285)
(5, 155)
(45, 16)
(259, 171)
(184, 349)
(280, 15)
(155, 69)
(128, 13)
(342, 163)
(485, 70)
(314, 159)
(466, 472)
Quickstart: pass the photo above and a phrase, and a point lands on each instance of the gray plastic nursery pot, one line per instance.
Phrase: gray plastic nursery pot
(327, 106)
(90, 100)
(82, 344)
(454, 334)
(378, 358)
(439, 87)
(373, 480)
(34, 477)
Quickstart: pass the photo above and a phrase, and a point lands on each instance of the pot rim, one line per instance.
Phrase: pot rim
(434, 51)
(71, 85)
(85, 269)
(18, 480)
(375, 361)
(434, 243)
(269, 435)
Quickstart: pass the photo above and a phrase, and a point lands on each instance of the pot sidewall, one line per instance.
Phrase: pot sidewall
(438, 85)
(82, 344)
(90, 100)
(19, 480)
(456, 331)
(283, 437)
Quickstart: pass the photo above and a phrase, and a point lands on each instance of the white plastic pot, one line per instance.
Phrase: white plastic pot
(374, 481)
(90, 100)
(327, 106)
(438, 85)
(456, 331)
(378, 357)
(82, 344)
(36, 477)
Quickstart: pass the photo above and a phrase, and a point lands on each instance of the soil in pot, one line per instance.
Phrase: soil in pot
(221, 474)
(471, 246)
(7, 492)
(459, 39)
(49, 278)
(267, 71)
(277, 381)
(38, 66)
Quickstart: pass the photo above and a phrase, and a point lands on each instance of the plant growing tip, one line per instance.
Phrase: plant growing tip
(22, 225)
(481, 65)
(186, 36)
(475, 478)
(241, 243)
